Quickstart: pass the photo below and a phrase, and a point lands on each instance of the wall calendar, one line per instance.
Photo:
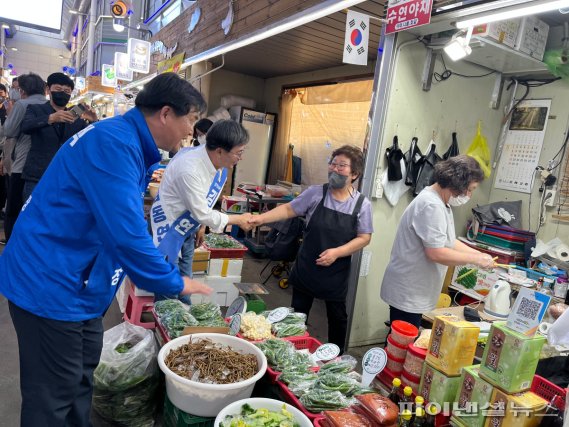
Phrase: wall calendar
(522, 146)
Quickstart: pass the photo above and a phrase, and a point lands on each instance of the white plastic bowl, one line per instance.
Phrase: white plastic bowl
(258, 403)
(207, 400)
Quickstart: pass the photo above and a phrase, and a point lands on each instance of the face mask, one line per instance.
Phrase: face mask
(458, 200)
(201, 139)
(14, 94)
(60, 98)
(336, 181)
(2, 99)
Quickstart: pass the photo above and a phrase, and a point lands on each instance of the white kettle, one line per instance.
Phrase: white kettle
(497, 302)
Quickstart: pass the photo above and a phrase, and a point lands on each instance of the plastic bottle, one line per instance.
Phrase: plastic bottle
(553, 417)
(405, 419)
(419, 406)
(431, 413)
(395, 394)
(406, 401)
(419, 420)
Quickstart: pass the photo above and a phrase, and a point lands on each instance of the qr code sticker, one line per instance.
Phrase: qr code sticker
(529, 309)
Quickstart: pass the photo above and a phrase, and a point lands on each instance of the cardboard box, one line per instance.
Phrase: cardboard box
(473, 395)
(510, 358)
(436, 387)
(515, 410)
(452, 345)
(532, 37)
(224, 267)
(505, 32)
(224, 291)
(234, 204)
(200, 262)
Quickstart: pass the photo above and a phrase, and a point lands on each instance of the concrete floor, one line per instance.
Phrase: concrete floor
(9, 368)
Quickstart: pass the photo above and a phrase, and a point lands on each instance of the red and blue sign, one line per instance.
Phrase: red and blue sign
(356, 37)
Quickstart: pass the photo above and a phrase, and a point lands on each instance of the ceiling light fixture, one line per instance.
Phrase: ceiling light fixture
(458, 47)
(15, 49)
(514, 11)
(5, 26)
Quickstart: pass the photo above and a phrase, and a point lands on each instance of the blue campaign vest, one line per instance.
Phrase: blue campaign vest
(170, 237)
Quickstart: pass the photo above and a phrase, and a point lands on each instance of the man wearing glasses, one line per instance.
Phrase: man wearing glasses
(191, 185)
(50, 124)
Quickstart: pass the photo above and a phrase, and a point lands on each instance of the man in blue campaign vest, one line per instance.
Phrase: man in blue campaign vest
(190, 187)
(79, 232)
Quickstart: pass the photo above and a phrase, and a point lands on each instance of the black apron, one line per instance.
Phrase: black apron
(327, 229)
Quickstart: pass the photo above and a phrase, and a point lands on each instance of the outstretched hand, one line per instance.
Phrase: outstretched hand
(192, 286)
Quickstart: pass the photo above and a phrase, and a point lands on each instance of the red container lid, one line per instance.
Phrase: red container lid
(395, 343)
(404, 328)
(411, 377)
(417, 351)
(395, 359)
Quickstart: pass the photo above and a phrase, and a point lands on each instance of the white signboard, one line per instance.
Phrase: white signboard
(79, 83)
(121, 67)
(522, 147)
(138, 55)
(108, 77)
(373, 363)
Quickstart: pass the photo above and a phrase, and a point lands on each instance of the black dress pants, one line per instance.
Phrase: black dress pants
(335, 311)
(14, 202)
(57, 360)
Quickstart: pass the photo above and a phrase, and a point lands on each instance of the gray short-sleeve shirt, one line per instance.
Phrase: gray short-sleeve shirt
(412, 282)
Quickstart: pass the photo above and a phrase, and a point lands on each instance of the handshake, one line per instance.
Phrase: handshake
(247, 221)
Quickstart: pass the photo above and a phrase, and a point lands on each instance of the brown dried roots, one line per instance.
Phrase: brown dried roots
(213, 363)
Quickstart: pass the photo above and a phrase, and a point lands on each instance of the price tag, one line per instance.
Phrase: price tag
(238, 306)
(235, 324)
(326, 352)
(278, 314)
(373, 362)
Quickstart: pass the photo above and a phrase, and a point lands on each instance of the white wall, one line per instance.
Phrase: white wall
(36, 54)
(555, 134)
(225, 82)
(455, 104)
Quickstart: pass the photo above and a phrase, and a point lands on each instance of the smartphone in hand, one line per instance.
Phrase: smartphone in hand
(78, 110)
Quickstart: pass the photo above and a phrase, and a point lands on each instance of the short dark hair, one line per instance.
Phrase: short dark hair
(226, 134)
(14, 79)
(2, 87)
(171, 90)
(203, 125)
(32, 84)
(60, 79)
(457, 173)
(355, 155)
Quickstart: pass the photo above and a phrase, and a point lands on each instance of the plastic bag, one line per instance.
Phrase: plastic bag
(427, 169)
(394, 155)
(126, 379)
(412, 163)
(453, 149)
(393, 190)
(479, 150)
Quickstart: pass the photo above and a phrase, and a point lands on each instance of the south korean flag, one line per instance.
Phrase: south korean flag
(356, 39)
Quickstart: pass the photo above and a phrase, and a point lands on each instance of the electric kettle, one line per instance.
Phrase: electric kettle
(497, 302)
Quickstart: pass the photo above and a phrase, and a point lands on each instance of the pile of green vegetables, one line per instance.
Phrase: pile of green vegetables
(221, 241)
(174, 316)
(125, 386)
(249, 417)
(292, 325)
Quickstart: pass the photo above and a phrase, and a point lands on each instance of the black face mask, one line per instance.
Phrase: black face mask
(60, 98)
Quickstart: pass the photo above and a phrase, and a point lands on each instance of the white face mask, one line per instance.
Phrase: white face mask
(201, 139)
(458, 200)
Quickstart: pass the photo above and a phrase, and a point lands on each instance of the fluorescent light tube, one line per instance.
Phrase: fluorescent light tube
(524, 9)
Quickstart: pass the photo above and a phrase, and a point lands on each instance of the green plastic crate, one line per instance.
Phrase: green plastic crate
(174, 417)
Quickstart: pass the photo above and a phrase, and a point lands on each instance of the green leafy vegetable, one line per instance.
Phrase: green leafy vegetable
(221, 241)
(319, 400)
(288, 330)
(250, 417)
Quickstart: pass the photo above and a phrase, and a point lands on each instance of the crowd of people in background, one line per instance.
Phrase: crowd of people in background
(33, 129)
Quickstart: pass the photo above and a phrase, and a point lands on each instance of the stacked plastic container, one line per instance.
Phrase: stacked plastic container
(402, 334)
(413, 367)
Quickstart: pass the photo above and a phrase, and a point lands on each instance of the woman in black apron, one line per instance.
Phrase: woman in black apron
(339, 224)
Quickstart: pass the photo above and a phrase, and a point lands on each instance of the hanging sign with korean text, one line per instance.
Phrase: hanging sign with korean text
(405, 14)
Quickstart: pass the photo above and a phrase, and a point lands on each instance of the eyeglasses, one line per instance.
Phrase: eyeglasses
(338, 166)
(58, 88)
(237, 154)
